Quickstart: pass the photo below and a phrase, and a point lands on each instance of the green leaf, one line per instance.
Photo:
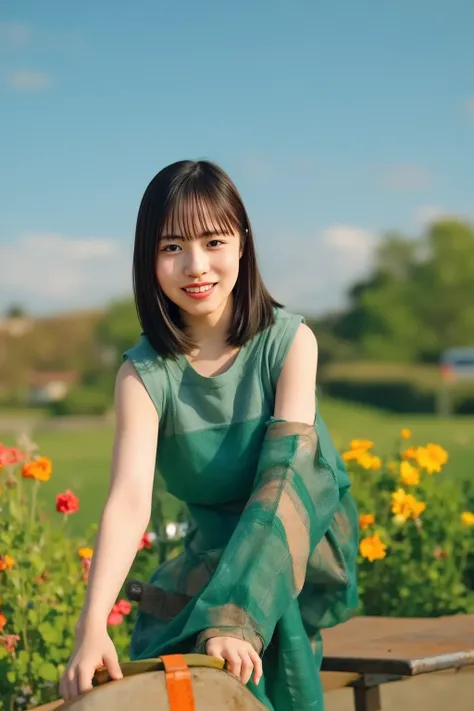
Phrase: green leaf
(15, 511)
(47, 672)
(33, 617)
(48, 633)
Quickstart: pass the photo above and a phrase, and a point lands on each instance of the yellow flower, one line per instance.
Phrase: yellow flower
(405, 433)
(85, 552)
(399, 520)
(363, 457)
(366, 520)
(6, 562)
(372, 548)
(417, 507)
(431, 458)
(350, 454)
(408, 474)
(467, 518)
(361, 444)
(405, 505)
(438, 453)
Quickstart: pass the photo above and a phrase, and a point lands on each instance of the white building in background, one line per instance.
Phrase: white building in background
(50, 386)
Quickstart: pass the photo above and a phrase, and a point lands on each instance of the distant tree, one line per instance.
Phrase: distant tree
(119, 329)
(419, 299)
(15, 311)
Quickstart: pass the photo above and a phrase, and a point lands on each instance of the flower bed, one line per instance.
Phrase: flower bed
(415, 557)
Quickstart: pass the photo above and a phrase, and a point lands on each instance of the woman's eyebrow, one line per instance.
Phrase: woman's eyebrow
(206, 234)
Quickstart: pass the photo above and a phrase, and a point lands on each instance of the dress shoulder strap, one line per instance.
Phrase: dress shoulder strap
(150, 367)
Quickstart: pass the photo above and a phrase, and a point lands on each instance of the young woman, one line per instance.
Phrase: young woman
(219, 397)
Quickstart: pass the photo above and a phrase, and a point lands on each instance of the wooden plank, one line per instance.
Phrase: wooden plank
(399, 646)
(213, 691)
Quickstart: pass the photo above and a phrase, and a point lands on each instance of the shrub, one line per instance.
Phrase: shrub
(43, 577)
(415, 555)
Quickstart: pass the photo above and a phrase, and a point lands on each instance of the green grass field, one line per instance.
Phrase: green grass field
(81, 457)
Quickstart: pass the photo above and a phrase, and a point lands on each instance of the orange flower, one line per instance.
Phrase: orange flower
(408, 474)
(405, 433)
(3, 621)
(366, 520)
(85, 552)
(373, 548)
(6, 562)
(410, 453)
(39, 469)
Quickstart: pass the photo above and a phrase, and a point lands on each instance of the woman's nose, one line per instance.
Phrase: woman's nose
(197, 263)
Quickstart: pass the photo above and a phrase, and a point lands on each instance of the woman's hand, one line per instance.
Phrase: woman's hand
(241, 657)
(92, 650)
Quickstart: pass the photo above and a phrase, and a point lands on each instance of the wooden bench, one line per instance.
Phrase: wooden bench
(363, 653)
(370, 651)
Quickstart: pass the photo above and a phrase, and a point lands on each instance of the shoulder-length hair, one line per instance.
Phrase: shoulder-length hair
(183, 197)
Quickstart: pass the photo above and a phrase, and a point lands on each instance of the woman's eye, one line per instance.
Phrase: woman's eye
(171, 248)
(215, 243)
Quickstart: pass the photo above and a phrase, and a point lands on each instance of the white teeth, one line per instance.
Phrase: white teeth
(199, 289)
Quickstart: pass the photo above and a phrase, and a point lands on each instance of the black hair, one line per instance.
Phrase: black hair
(182, 197)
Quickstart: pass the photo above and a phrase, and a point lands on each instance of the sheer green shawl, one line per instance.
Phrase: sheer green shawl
(287, 570)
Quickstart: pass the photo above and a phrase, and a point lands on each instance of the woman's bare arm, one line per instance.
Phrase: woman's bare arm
(295, 394)
(128, 507)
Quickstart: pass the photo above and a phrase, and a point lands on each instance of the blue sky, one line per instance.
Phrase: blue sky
(336, 120)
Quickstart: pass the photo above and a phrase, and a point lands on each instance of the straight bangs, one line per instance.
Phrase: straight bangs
(194, 208)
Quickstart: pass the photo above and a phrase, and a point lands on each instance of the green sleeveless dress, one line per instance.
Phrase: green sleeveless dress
(270, 555)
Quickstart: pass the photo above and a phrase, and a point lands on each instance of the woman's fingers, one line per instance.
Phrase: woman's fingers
(241, 657)
(234, 662)
(69, 686)
(257, 665)
(246, 668)
(84, 679)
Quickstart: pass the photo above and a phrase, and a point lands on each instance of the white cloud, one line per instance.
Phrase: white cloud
(28, 79)
(54, 271)
(425, 215)
(312, 273)
(15, 35)
(406, 176)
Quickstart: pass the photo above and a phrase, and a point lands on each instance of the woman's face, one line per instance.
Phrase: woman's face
(198, 275)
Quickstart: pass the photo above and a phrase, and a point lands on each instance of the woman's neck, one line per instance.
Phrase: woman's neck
(213, 329)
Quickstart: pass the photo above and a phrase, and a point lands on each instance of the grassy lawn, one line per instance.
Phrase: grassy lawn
(81, 457)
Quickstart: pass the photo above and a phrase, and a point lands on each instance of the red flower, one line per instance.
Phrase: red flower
(121, 608)
(67, 503)
(10, 456)
(85, 565)
(145, 542)
(114, 618)
(124, 607)
(9, 641)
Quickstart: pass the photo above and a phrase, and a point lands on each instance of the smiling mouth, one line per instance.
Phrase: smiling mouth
(198, 289)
